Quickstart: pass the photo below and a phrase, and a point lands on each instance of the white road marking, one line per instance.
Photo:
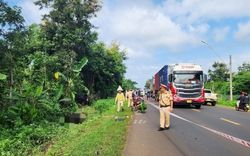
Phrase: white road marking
(140, 122)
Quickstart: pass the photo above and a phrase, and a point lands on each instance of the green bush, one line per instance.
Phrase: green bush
(27, 139)
(21, 140)
(104, 104)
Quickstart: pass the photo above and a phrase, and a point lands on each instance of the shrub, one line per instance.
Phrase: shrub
(227, 103)
(104, 104)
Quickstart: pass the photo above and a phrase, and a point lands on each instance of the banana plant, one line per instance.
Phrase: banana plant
(75, 73)
(26, 104)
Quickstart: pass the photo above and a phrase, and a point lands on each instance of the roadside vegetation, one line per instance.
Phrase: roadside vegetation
(44, 67)
(219, 82)
(100, 133)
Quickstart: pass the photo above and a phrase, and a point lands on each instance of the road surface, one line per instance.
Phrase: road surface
(186, 139)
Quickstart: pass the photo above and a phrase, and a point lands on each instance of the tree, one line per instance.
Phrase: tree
(105, 70)
(147, 85)
(245, 67)
(241, 82)
(68, 36)
(12, 39)
(128, 84)
(68, 28)
(220, 72)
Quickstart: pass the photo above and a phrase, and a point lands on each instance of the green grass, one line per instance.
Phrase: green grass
(227, 103)
(98, 132)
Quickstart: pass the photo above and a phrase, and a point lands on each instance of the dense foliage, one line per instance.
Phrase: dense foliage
(129, 84)
(219, 80)
(43, 67)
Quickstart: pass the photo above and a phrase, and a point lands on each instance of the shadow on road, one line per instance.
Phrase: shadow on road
(186, 107)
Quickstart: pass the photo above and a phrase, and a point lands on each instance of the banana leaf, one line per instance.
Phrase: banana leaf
(2, 76)
(44, 105)
(63, 76)
(39, 91)
(59, 93)
(80, 65)
(65, 99)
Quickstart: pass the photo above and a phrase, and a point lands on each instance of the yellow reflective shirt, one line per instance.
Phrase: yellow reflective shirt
(120, 97)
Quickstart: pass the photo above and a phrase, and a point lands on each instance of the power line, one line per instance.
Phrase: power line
(213, 50)
(230, 69)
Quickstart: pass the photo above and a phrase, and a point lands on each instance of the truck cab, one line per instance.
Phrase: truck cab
(186, 82)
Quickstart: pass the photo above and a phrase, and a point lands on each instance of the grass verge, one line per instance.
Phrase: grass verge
(100, 132)
(227, 103)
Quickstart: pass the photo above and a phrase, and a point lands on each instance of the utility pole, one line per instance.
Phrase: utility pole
(231, 77)
(230, 69)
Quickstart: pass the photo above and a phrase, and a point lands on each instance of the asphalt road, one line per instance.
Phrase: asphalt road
(186, 139)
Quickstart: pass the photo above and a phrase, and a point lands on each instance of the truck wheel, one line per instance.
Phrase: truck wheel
(214, 103)
(174, 105)
(198, 106)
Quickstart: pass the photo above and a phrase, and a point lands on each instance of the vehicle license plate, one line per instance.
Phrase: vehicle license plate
(189, 101)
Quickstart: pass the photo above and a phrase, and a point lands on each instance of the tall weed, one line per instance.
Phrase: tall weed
(104, 104)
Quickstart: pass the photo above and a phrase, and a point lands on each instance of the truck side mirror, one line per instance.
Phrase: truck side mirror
(170, 78)
(205, 77)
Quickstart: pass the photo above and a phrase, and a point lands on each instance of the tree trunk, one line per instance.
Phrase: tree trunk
(11, 84)
(91, 82)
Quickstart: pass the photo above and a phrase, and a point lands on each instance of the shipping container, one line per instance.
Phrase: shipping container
(163, 76)
(157, 81)
(151, 85)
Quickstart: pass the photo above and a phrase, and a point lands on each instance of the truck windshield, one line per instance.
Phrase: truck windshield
(188, 77)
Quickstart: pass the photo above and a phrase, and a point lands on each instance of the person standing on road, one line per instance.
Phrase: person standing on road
(148, 96)
(130, 98)
(120, 99)
(166, 103)
(126, 95)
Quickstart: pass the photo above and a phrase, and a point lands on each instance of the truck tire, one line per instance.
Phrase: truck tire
(197, 106)
(214, 103)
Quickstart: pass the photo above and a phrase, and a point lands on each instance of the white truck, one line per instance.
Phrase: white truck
(210, 97)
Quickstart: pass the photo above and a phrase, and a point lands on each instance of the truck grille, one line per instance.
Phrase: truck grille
(188, 90)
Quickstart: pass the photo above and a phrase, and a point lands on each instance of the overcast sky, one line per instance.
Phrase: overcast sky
(160, 32)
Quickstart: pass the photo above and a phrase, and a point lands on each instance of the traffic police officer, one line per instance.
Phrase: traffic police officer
(120, 99)
(130, 98)
(166, 103)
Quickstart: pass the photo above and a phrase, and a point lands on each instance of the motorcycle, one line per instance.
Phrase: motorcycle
(244, 107)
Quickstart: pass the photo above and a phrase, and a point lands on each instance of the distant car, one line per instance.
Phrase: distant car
(210, 97)
(142, 93)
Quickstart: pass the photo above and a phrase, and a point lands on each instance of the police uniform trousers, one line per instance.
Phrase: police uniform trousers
(130, 102)
(164, 117)
(120, 104)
